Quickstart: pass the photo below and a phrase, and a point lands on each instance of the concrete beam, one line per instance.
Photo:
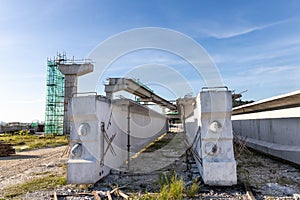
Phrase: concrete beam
(129, 85)
(278, 137)
(288, 100)
(271, 125)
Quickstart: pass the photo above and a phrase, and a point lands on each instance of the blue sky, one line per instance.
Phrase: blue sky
(255, 44)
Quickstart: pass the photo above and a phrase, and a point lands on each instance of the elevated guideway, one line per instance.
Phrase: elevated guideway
(138, 89)
(271, 125)
(289, 100)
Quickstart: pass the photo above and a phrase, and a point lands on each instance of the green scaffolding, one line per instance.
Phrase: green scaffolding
(54, 114)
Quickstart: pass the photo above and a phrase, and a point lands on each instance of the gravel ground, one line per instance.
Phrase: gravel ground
(269, 177)
(266, 177)
(31, 164)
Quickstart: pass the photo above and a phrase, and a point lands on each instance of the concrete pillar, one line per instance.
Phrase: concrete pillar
(71, 72)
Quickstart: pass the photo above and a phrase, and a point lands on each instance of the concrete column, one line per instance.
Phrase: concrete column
(71, 72)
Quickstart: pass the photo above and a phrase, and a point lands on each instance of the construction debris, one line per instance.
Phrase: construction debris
(6, 149)
(116, 192)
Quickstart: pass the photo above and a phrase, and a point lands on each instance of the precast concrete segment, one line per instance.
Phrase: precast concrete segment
(275, 132)
(101, 139)
(208, 128)
(289, 100)
(71, 72)
(131, 86)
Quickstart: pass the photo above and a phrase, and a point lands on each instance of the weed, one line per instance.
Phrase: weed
(159, 143)
(286, 181)
(176, 188)
(245, 174)
(165, 178)
(148, 196)
(23, 132)
(171, 186)
(83, 186)
(164, 193)
(63, 166)
(192, 190)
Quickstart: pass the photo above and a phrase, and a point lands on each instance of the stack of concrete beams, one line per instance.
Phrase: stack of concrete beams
(6, 149)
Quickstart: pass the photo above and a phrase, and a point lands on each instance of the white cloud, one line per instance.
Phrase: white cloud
(275, 69)
(264, 80)
(222, 31)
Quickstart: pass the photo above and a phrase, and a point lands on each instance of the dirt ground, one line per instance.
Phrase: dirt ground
(31, 164)
(268, 178)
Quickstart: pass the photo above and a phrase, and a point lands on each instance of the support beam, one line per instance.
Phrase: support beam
(128, 137)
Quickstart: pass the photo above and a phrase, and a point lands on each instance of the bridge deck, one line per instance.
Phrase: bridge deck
(288, 100)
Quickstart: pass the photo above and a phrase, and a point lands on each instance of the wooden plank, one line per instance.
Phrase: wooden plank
(249, 192)
(97, 197)
(108, 195)
(122, 194)
(55, 196)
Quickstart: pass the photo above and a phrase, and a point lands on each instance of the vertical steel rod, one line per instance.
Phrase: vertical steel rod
(128, 137)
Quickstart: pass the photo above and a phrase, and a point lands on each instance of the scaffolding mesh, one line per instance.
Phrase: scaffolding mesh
(54, 114)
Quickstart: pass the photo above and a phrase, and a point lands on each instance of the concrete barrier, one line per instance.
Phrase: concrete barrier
(275, 129)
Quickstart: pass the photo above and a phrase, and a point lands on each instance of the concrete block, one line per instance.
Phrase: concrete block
(219, 173)
(81, 171)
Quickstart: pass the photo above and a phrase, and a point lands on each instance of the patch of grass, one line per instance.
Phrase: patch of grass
(83, 186)
(164, 193)
(245, 174)
(34, 141)
(192, 190)
(159, 142)
(286, 181)
(147, 197)
(165, 178)
(176, 188)
(63, 166)
(45, 183)
(171, 187)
